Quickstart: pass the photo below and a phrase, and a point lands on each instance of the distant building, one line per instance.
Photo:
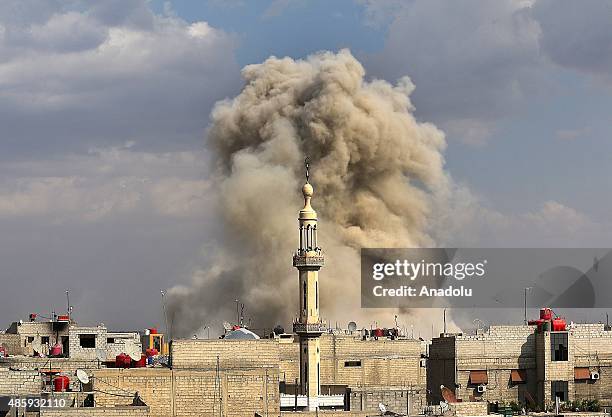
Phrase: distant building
(37, 338)
(527, 364)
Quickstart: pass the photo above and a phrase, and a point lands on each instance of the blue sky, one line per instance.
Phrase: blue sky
(104, 170)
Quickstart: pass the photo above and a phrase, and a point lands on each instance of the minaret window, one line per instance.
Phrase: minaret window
(301, 238)
(304, 306)
(317, 294)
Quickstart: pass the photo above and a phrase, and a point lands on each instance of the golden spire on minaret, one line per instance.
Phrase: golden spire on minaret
(308, 213)
(309, 326)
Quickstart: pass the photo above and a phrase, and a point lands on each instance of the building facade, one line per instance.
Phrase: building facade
(528, 364)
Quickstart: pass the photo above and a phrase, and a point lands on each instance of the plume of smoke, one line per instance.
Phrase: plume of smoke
(376, 172)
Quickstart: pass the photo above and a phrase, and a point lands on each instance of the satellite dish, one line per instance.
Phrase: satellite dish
(382, 408)
(448, 394)
(82, 376)
(352, 326)
(135, 354)
(227, 326)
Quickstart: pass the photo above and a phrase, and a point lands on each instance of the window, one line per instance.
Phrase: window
(304, 306)
(348, 364)
(478, 377)
(44, 340)
(518, 376)
(87, 340)
(558, 389)
(558, 346)
(110, 340)
(30, 339)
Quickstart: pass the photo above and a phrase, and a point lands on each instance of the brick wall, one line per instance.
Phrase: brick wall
(95, 412)
(469, 408)
(118, 343)
(191, 393)
(498, 350)
(12, 343)
(440, 367)
(76, 351)
(324, 413)
(396, 399)
(19, 382)
(202, 354)
(383, 363)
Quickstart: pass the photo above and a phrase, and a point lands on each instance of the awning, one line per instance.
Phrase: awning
(479, 377)
(518, 376)
(582, 373)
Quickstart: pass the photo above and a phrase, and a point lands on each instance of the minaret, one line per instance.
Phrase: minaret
(308, 260)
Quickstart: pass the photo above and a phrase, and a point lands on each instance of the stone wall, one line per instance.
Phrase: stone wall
(96, 412)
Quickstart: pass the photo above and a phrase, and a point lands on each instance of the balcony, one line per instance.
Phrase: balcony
(309, 328)
(316, 261)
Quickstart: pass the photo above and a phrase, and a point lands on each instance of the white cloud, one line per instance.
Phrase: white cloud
(464, 219)
(577, 35)
(106, 182)
(72, 77)
(472, 62)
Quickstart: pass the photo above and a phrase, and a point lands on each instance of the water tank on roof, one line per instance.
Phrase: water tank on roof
(61, 383)
(546, 314)
(558, 325)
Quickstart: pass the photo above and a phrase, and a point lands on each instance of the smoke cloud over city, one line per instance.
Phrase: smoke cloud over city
(376, 172)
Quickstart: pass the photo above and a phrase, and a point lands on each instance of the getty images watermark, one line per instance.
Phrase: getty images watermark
(486, 278)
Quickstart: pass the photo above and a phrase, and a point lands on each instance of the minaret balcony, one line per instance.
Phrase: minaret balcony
(308, 259)
(309, 328)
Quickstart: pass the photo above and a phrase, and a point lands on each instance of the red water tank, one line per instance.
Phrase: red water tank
(142, 362)
(56, 350)
(378, 333)
(546, 314)
(3, 352)
(151, 352)
(61, 383)
(559, 325)
(123, 361)
(153, 330)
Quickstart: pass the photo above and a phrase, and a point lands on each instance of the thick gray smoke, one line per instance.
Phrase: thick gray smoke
(375, 170)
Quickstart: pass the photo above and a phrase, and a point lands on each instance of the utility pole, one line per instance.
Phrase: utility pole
(69, 308)
(444, 321)
(163, 300)
(525, 310)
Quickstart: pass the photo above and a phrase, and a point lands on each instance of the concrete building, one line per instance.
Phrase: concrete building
(527, 364)
(78, 342)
